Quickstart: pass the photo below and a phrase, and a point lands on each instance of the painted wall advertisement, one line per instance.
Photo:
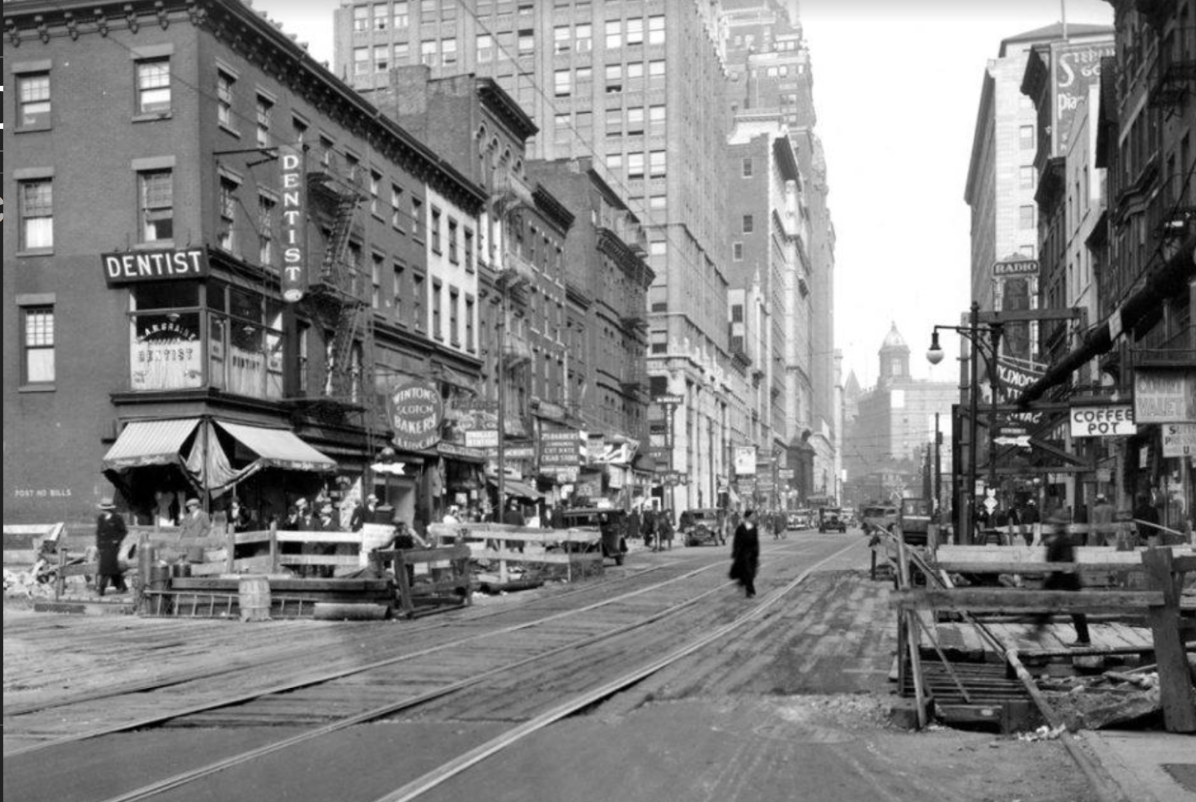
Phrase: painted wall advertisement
(1179, 440)
(416, 411)
(1164, 395)
(745, 460)
(1077, 67)
(559, 449)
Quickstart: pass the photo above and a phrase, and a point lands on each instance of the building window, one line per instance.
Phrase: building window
(361, 18)
(635, 120)
(658, 247)
(614, 78)
(381, 58)
(396, 207)
(737, 251)
(265, 230)
(381, 16)
(427, 52)
(527, 41)
(614, 163)
(228, 213)
(402, 13)
(437, 289)
(402, 53)
(657, 164)
(562, 83)
(224, 98)
(37, 215)
(1026, 137)
(156, 205)
(417, 217)
(485, 47)
(747, 168)
(434, 230)
(658, 202)
(635, 31)
(469, 314)
(361, 61)
(454, 317)
(656, 72)
(376, 281)
(635, 165)
(375, 182)
(468, 248)
(1025, 217)
(33, 101)
(265, 111)
(1026, 177)
(656, 119)
(656, 30)
(37, 347)
(614, 33)
(453, 254)
(418, 288)
(397, 295)
(749, 224)
(153, 86)
(614, 122)
(448, 52)
(562, 39)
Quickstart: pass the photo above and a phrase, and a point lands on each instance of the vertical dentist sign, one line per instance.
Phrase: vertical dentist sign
(294, 208)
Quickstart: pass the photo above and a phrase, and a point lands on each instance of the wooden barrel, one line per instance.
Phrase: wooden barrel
(254, 598)
(159, 577)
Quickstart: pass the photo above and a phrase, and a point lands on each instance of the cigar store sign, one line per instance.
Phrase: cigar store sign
(133, 267)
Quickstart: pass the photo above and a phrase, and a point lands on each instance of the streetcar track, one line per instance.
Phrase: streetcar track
(577, 702)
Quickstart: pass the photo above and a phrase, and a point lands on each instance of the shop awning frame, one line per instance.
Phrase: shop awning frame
(150, 442)
(279, 448)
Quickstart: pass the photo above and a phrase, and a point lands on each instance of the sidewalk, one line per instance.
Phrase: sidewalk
(1146, 766)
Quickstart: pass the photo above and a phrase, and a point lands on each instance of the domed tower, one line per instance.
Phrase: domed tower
(894, 358)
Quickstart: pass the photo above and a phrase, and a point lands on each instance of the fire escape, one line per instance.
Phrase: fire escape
(336, 304)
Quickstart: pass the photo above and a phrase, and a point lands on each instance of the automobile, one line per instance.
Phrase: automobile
(849, 516)
(915, 520)
(801, 519)
(607, 521)
(879, 516)
(702, 527)
(831, 519)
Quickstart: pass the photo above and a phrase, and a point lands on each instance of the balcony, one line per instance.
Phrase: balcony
(515, 269)
(517, 349)
(635, 320)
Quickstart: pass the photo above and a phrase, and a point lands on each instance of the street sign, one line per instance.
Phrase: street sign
(1021, 441)
(482, 438)
(668, 400)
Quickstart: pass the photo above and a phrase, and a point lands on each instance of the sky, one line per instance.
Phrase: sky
(896, 90)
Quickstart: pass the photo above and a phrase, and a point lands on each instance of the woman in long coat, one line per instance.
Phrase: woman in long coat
(110, 532)
(745, 553)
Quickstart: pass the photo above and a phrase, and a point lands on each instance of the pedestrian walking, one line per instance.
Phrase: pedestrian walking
(745, 553)
(1102, 522)
(648, 528)
(110, 533)
(1147, 518)
(1061, 549)
(664, 530)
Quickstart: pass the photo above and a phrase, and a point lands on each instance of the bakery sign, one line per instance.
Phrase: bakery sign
(132, 267)
(416, 411)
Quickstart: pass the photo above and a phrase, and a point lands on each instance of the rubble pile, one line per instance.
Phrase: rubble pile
(1112, 699)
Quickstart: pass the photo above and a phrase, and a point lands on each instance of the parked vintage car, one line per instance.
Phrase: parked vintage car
(915, 520)
(879, 516)
(702, 527)
(830, 519)
(608, 522)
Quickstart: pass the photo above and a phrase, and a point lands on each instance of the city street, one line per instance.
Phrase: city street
(791, 705)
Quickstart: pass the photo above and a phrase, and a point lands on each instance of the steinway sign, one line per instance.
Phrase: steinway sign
(133, 267)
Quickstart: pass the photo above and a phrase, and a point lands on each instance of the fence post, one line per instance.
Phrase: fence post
(274, 547)
(230, 540)
(1175, 684)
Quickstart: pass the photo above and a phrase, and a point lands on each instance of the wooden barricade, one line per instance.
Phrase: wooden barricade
(568, 553)
(446, 582)
(1169, 615)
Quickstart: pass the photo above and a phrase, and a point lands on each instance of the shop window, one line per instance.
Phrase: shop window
(165, 342)
(156, 202)
(37, 345)
(153, 86)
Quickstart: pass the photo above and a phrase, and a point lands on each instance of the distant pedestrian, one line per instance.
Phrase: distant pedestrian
(1102, 522)
(451, 517)
(664, 530)
(110, 532)
(1061, 549)
(648, 528)
(745, 553)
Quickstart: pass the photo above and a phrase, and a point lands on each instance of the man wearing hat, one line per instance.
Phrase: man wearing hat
(110, 531)
(196, 522)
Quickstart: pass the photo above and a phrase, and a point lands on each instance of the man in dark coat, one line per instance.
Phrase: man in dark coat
(110, 531)
(745, 553)
(1147, 519)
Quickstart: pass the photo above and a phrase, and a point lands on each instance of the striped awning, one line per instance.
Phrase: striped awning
(150, 442)
(279, 448)
(518, 489)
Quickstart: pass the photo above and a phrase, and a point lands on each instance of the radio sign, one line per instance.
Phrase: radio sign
(294, 273)
(1113, 421)
(137, 266)
(1019, 267)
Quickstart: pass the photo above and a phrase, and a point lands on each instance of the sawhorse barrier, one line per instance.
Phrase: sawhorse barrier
(447, 582)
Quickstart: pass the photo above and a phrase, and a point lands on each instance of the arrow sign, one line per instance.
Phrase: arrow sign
(1022, 441)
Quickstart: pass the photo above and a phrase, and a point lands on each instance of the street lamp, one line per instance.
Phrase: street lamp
(934, 355)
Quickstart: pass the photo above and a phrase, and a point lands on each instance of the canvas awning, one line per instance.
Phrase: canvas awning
(518, 489)
(279, 448)
(151, 442)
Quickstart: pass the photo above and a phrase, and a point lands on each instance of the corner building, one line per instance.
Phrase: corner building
(153, 342)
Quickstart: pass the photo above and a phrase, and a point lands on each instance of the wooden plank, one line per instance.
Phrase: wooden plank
(1011, 600)
(1175, 683)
